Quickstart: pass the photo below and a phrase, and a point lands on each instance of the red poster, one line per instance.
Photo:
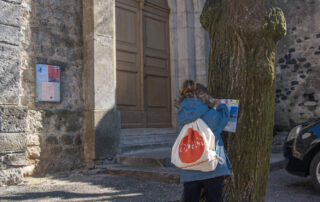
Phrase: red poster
(53, 73)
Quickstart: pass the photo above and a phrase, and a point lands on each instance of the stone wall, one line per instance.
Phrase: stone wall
(12, 115)
(52, 34)
(298, 67)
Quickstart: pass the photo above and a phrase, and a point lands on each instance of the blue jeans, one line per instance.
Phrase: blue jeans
(212, 189)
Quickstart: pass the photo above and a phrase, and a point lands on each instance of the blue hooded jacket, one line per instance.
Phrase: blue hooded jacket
(190, 110)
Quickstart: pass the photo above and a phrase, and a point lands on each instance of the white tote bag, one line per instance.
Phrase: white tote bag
(194, 148)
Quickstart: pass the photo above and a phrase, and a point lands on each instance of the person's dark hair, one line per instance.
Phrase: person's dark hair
(188, 90)
(203, 94)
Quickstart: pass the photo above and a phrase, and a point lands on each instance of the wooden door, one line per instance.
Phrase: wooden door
(156, 67)
(129, 72)
(143, 73)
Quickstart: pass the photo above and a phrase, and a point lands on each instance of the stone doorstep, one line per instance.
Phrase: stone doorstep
(152, 159)
(142, 139)
(130, 149)
(147, 131)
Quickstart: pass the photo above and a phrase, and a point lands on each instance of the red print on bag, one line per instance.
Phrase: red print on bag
(191, 147)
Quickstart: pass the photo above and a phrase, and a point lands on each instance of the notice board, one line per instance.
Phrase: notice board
(233, 106)
(47, 83)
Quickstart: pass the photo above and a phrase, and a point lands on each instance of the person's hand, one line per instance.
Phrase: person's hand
(216, 103)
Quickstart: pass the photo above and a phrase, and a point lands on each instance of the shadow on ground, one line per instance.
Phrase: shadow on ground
(99, 187)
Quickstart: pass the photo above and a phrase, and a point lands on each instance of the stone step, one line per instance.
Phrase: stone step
(153, 166)
(167, 175)
(131, 149)
(159, 158)
(141, 139)
(145, 139)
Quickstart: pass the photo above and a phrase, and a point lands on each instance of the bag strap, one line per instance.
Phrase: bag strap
(220, 160)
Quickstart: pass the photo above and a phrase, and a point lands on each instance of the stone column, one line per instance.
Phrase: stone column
(102, 120)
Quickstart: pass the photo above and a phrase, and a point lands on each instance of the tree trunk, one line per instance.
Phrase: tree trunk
(243, 38)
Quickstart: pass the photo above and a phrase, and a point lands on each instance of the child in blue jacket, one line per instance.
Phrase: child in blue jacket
(193, 103)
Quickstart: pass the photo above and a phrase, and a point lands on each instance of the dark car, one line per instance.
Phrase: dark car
(302, 150)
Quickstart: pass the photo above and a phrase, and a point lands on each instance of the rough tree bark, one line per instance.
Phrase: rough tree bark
(243, 38)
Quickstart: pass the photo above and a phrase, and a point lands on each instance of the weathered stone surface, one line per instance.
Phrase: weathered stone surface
(9, 52)
(299, 51)
(67, 139)
(77, 140)
(71, 120)
(33, 140)
(52, 140)
(33, 152)
(14, 142)
(310, 103)
(14, 1)
(35, 122)
(2, 163)
(13, 119)
(16, 159)
(28, 170)
(9, 34)
(11, 176)
(9, 81)
(10, 13)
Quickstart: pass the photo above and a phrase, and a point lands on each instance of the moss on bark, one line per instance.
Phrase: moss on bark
(243, 38)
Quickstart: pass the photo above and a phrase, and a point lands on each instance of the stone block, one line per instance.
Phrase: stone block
(71, 151)
(67, 139)
(33, 140)
(9, 52)
(2, 163)
(11, 176)
(9, 34)
(12, 119)
(14, 1)
(13, 142)
(28, 170)
(72, 120)
(52, 140)
(9, 80)
(10, 13)
(77, 140)
(310, 104)
(34, 152)
(16, 159)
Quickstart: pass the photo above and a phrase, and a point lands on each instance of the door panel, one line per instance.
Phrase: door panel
(157, 95)
(128, 45)
(156, 69)
(155, 34)
(127, 88)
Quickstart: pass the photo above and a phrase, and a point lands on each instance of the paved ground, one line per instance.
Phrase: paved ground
(101, 187)
(282, 187)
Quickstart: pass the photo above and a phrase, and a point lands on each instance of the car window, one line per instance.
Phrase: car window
(316, 130)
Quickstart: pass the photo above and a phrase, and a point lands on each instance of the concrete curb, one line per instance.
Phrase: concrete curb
(277, 162)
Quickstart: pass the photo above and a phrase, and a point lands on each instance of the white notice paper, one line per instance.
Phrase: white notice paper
(47, 91)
